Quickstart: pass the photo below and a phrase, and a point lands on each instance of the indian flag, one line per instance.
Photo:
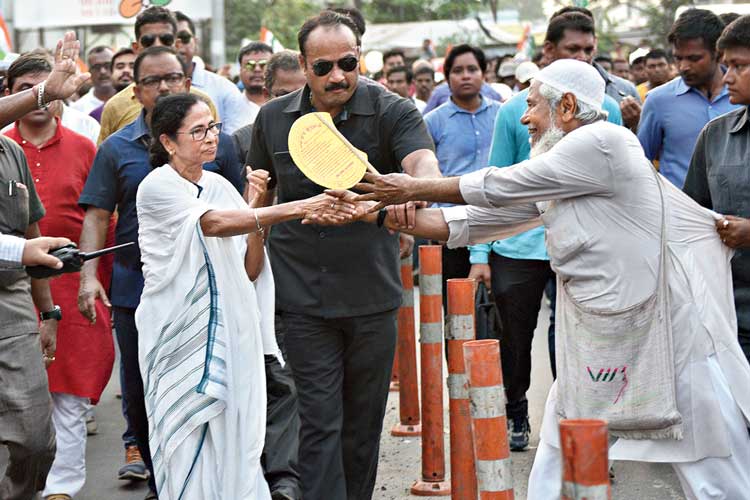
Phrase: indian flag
(267, 37)
(526, 46)
(6, 46)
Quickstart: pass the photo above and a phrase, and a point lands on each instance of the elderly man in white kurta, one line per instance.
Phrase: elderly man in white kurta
(642, 278)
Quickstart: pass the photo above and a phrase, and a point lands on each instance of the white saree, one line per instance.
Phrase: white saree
(203, 328)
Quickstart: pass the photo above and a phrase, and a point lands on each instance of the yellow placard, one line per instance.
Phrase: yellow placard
(323, 154)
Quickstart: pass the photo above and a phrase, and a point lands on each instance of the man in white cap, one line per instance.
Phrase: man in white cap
(637, 60)
(524, 73)
(646, 333)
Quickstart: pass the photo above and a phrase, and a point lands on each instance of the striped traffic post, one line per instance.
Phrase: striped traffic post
(433, 481)
(406, 352)
(460, 330)
(488, 420)
(585, 474)
(394, 372)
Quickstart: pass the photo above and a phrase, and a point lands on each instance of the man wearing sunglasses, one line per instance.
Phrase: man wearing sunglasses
(154, 26)
(339, 288)
(234, 110)
(121, 163)
(253, 59)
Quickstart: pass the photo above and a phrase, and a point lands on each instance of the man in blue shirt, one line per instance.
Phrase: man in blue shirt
(442, 93)
(120, 165)
(517, 268)
(676, 112)
(461, 129)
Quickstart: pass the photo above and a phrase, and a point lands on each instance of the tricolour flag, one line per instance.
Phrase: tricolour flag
(6, 46)
(267, 37)
(526, 46)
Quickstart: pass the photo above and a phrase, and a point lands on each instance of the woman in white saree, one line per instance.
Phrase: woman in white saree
(206, 314)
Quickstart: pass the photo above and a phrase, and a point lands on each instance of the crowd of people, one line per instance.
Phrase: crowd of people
(538, 177)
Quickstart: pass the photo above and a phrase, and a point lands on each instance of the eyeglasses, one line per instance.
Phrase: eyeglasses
(261, 63)
(200, 133)
(184, 36)
(165, 38)
(347, 64)
(171, 79)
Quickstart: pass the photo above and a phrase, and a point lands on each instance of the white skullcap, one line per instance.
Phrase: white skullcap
(576, 77)
(526, 71)
(637, 54)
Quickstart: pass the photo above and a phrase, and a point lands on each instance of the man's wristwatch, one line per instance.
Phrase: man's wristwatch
(55, 313)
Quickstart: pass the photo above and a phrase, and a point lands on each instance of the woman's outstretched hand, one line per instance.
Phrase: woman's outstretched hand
(328, 209)
(340, 208)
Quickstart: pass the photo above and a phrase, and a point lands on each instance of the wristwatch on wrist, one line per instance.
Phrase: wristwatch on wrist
(55, 313)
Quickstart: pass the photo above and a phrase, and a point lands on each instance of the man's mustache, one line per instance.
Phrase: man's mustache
(337, 86)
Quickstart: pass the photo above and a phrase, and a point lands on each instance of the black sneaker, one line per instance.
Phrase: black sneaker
(519, 430)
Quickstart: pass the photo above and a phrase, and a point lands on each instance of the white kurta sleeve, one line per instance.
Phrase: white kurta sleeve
(469, 225)
(579, 165)
(11, 251)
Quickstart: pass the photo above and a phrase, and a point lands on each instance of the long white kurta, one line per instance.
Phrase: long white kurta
(203, 328)
(603, 238)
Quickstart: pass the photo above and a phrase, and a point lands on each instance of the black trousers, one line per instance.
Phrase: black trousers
(342, 369)
(279, 458)
(517, 286)
(127, 341)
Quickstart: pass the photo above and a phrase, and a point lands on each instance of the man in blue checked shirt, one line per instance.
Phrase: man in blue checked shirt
(461, 129)
(517, 269)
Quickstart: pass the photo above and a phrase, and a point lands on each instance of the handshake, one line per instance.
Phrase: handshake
(392, 192)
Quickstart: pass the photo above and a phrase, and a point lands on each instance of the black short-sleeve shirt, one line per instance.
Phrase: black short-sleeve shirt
(351, 270)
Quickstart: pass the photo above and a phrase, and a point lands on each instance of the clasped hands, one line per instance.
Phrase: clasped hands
(390, 191)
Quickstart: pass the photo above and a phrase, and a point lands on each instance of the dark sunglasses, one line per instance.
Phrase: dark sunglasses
(184, 36)
(165, 38)
(347, 64)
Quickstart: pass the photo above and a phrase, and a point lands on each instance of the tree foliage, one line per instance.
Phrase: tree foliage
(284, 17)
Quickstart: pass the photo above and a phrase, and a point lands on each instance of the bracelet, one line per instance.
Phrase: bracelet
(258, 228)
(382, 213)
(40, 104)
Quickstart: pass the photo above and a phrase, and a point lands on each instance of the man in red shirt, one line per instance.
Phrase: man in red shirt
(59, 160)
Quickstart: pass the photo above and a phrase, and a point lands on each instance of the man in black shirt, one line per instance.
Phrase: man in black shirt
(338, 288)
(719, 175)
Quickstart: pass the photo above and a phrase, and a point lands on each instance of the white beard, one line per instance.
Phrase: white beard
(548, 139)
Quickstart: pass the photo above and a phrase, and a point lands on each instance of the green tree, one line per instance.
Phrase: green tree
(244, 19)
(661, 17)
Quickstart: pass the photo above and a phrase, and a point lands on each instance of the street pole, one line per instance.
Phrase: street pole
(217, 33)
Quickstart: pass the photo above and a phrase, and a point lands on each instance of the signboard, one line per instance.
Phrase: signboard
(70, 13)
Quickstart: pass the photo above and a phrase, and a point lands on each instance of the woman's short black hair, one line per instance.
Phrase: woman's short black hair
(460, 50)
(329, 19)
(167, 118)
(735, 35)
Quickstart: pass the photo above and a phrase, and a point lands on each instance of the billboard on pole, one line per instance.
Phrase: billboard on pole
(56, 14)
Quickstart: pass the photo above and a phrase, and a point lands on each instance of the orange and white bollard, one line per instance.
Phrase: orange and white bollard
(406, 353)
(460, 330)
(585, 446)
(488, 420)
(433, 481)
(394, 372)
